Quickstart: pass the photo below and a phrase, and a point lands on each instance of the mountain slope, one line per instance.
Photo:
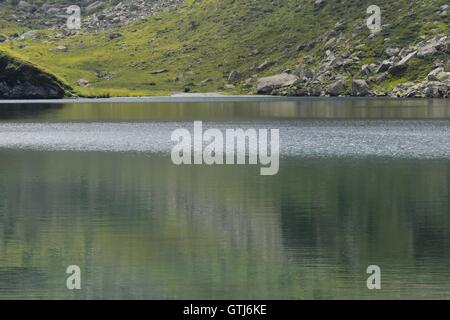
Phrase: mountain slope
(227, 45)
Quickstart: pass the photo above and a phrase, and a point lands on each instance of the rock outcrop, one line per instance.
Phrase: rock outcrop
(97, 15)
(21, 80)
(335, 70)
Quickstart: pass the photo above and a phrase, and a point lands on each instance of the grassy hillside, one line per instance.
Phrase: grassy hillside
(195, 47)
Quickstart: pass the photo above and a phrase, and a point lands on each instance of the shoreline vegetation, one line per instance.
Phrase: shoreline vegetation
(209, 47)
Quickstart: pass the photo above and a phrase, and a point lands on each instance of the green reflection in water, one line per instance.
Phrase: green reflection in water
(228, 109)
(140, 227)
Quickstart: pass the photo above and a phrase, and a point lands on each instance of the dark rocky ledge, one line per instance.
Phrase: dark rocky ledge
(22, 80)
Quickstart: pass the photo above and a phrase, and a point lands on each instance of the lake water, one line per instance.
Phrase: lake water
(362, 182)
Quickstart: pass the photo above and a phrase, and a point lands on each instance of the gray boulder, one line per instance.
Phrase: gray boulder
(436, 90)
(402, 65)
(384, 66)
(25, 6)
(83, 83)
(439, 74)
(366, 69)
(432, 46)
(336, 88)
(360, 88)
(444, 45)
(268, 84)
(427, 50)
(52, 11)
(234, 76)
(447, 66)
(61, 49)
(392, 52)
(304, 73)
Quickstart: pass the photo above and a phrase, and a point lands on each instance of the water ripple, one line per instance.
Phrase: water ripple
(349, 138)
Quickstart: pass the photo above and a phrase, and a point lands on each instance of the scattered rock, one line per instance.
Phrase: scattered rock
(439, 75)
(444, 45)
(380, 78)
(427, 50)
(303, 73)
(159, 71)
(114, 35)
(337, 88)
(32, 34)
(51, 11)
(104, 75)
(234, 76)
(431, 89)
(447, 66)
(366, 70)
(402, 65)
(207, 80)
(442, 12)
(248, 83)
(384, 66)
(94, 6)
(61, 49)
(266, 64)
(25, 6)
(392, 52)
(318, 4)
(83, 83)
(436, 90)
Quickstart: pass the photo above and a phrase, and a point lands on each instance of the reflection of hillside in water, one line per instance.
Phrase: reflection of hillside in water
(140, 227)
(22, 111)
(231, 110)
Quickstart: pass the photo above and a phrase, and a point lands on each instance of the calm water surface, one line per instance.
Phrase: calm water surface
(361, 182)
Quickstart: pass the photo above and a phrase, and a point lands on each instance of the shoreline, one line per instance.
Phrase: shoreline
(204, 97)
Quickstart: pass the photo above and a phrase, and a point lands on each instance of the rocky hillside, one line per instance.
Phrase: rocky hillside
(22, 80)
(283, 47)
(96, 14)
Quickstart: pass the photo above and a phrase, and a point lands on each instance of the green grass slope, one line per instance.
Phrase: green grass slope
(195, 47)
